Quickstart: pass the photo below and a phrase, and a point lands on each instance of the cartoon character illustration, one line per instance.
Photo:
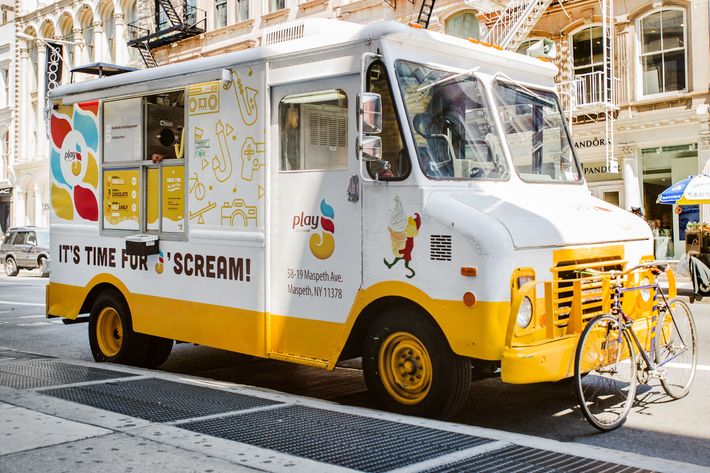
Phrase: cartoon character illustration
(402, 230)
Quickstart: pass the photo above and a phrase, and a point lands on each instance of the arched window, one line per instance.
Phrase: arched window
(662, 51)
(587, 50)
(463, 25)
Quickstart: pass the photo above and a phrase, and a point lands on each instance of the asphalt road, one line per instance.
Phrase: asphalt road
(657, 426)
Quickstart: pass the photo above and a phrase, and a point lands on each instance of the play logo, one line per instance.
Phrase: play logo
(322, 244)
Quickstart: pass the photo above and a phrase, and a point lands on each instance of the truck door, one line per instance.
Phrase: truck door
(315, 229)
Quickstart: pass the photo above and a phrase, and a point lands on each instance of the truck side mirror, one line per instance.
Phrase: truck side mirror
(370, 112)
(371, 148)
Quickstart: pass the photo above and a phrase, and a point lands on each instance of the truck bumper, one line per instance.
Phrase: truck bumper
(551, 360)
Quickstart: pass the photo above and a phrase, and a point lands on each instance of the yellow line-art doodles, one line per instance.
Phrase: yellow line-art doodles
(197, 187)
(204, 98)
(246, 100)
(200, 214)
(250, 162)
(222, 164)
(239, 208)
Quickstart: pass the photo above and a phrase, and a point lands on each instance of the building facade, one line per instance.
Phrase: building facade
(661, 75)
(659, 68)
(7, 99)
(80, 32)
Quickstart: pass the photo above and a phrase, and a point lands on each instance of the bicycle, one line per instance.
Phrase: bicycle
(607, 369)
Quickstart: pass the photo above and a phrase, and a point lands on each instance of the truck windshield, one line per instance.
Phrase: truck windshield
(534, 128)
(451, 124)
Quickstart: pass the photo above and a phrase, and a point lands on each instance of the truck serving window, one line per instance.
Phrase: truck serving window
(143, 164)
(314, 131)
(533, 125)
(451, 124)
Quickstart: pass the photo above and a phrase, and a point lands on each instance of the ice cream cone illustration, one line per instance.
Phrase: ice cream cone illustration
(159, 266)
(402, 230)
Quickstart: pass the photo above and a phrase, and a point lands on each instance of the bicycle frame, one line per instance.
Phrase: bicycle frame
(626, 322)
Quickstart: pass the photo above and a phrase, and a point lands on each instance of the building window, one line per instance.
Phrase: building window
(276, 5)
(587, 50)
(221, 10)
(463, 25)
(242, 10)
(663, 52)
(5, 102)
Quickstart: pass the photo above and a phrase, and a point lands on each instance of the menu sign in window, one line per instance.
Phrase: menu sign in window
(173, 198)
(122, 199)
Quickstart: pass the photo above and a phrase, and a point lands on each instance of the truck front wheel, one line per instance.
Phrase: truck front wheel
(410, 368)
(111, 334)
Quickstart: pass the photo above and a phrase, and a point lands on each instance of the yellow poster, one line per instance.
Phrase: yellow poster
(121, 199)
(173, 198)
(152, 199)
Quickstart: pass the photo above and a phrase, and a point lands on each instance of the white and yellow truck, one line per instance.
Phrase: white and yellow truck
(341, 191)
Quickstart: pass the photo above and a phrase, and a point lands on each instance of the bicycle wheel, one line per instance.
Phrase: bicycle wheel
(605, 373)
(676, 348)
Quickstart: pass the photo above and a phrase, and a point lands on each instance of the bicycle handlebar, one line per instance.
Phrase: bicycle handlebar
(661, 265)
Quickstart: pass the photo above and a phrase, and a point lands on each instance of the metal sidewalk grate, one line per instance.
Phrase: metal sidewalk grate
(158, 400)
(12, 355)
(516, 459)
(29, 374)
(347, 440)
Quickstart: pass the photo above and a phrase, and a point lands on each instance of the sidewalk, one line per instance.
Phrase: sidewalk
(58, 416)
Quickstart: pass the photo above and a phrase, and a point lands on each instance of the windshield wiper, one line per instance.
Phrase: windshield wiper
(529, 92)
(447, 79)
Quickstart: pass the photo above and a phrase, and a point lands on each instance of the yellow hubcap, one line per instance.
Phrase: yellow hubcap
(109, 331)
(405, 368)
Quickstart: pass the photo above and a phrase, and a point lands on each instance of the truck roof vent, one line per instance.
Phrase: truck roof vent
(282, 34)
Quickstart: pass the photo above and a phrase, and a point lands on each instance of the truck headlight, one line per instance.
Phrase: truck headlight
(525, 312)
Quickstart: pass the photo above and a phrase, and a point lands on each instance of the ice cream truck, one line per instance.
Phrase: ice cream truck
(341, 191)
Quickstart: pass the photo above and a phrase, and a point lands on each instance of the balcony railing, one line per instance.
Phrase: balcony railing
(588, 94)
(194, 22)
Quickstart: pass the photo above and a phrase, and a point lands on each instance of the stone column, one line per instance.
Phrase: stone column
(99, 41)
(41, 145)
(20, 214)
(80, 50)
(632, 189)
(621, 61)
(37, 201)
(24, 93)
(120, 39)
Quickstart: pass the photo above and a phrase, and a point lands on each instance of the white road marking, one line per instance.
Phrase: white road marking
(33, 324)
(33, 304)
(687, 366)
(38, 316)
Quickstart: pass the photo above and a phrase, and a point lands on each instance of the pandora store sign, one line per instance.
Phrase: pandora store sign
(589, 143)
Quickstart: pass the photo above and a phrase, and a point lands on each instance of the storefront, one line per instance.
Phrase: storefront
(662, 166)
(652, 155)
(5, 206)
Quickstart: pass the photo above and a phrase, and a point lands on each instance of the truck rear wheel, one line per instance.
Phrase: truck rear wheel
(111, 334)
(410, 368)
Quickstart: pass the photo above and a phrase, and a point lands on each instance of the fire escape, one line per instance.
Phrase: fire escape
(587, 97)
(168, 25)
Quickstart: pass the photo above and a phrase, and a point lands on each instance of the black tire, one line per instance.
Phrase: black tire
(111, 334)
(430, 381)
(605, 373)
(11, 268)
(42, 264)
(158, 351)
(676, 348)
